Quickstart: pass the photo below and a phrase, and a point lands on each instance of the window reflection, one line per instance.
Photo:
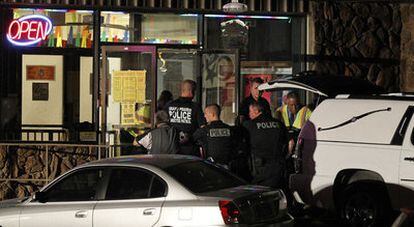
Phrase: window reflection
(149, 28)
(219, 84)
(174, 66)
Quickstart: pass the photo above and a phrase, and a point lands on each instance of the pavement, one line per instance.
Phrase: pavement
(314, 217)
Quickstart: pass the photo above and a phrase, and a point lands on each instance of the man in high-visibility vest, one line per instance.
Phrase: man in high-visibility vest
(294, 116)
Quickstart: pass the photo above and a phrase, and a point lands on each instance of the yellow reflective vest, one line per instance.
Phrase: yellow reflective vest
(300, 119)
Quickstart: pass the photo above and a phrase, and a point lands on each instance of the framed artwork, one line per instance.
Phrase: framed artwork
(40, 72)
(40, 91)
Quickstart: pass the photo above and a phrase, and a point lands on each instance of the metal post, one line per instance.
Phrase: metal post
(251, 5)
(96, 69)
(47, 163)
(283, 7)
(185, 4)
(301, 7)
(267, 5)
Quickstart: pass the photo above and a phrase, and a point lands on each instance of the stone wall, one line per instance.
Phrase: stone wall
(359, 39)
(26, 169)
(407, 48)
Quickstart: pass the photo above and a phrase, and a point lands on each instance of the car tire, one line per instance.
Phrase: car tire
(364, 205)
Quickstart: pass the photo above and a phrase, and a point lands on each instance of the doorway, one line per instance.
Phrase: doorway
(128, 82)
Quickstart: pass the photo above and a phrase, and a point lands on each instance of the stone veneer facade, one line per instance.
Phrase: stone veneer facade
(351, 31)
(25, 169)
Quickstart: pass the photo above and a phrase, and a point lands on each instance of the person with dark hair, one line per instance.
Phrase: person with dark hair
(255, 96)
(186, 116)
(161, 140)
(165, 97)
(294, 115)
(216, 138)
(265, 138)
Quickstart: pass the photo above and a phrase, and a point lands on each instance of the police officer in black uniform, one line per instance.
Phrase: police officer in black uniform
(216, 138)
(186, 116)
(255, 96)
(266, 138)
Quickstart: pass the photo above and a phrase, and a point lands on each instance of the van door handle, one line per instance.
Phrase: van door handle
(410, 159)
(150, 211)
(81, 214)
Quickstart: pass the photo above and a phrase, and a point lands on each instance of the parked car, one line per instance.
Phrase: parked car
(148, 190)
(355, 155)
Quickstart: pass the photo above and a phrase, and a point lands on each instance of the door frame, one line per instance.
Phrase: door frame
(103, 82)
(237, 65)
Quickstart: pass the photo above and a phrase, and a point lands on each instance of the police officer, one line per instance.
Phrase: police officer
(255, 96)
(186, 116)
(216, 138)
(266, 138)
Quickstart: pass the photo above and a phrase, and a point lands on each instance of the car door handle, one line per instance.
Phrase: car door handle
(150, 211)
(410, 159)
(81, 214)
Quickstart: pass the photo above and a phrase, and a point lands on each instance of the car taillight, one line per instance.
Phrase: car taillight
(229, 212)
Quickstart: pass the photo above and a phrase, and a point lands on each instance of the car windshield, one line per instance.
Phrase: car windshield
(201, 176)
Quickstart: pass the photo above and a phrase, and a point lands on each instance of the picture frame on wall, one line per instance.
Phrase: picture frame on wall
(40, 91)
(40, 72)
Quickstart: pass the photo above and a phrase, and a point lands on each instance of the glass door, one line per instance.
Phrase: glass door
(220, 82)
(173, 67)
(128, 81)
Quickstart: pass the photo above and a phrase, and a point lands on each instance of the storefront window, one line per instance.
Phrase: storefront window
(174, 66)
(149, 28)
(47, 93)
(268, 46)
(53, 98)
(219, 83)
(129, 74)
(70, 28)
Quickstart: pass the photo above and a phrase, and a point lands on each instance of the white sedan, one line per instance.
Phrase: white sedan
(148, 190)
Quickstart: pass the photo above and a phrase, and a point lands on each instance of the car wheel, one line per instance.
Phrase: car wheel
(364, 205)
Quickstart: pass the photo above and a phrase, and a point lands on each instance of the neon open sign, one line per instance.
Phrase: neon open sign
(29, 30)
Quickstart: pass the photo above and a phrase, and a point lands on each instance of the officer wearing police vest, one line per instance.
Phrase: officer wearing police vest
(216, 138)
(266, 138)
(186, 116)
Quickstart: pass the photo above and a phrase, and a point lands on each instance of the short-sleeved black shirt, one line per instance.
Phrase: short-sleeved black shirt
(185, 115)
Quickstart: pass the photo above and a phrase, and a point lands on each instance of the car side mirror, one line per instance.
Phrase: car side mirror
(40, 197)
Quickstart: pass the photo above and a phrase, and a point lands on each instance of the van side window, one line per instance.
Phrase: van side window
(401, 131)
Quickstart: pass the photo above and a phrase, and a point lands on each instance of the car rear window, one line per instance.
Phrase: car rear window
(201, 176)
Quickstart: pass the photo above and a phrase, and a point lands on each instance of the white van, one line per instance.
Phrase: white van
(356, 155)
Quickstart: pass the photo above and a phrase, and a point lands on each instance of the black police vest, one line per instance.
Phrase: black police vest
(266, 137)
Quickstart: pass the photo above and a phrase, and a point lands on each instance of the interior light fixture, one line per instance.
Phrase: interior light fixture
(163, 67)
